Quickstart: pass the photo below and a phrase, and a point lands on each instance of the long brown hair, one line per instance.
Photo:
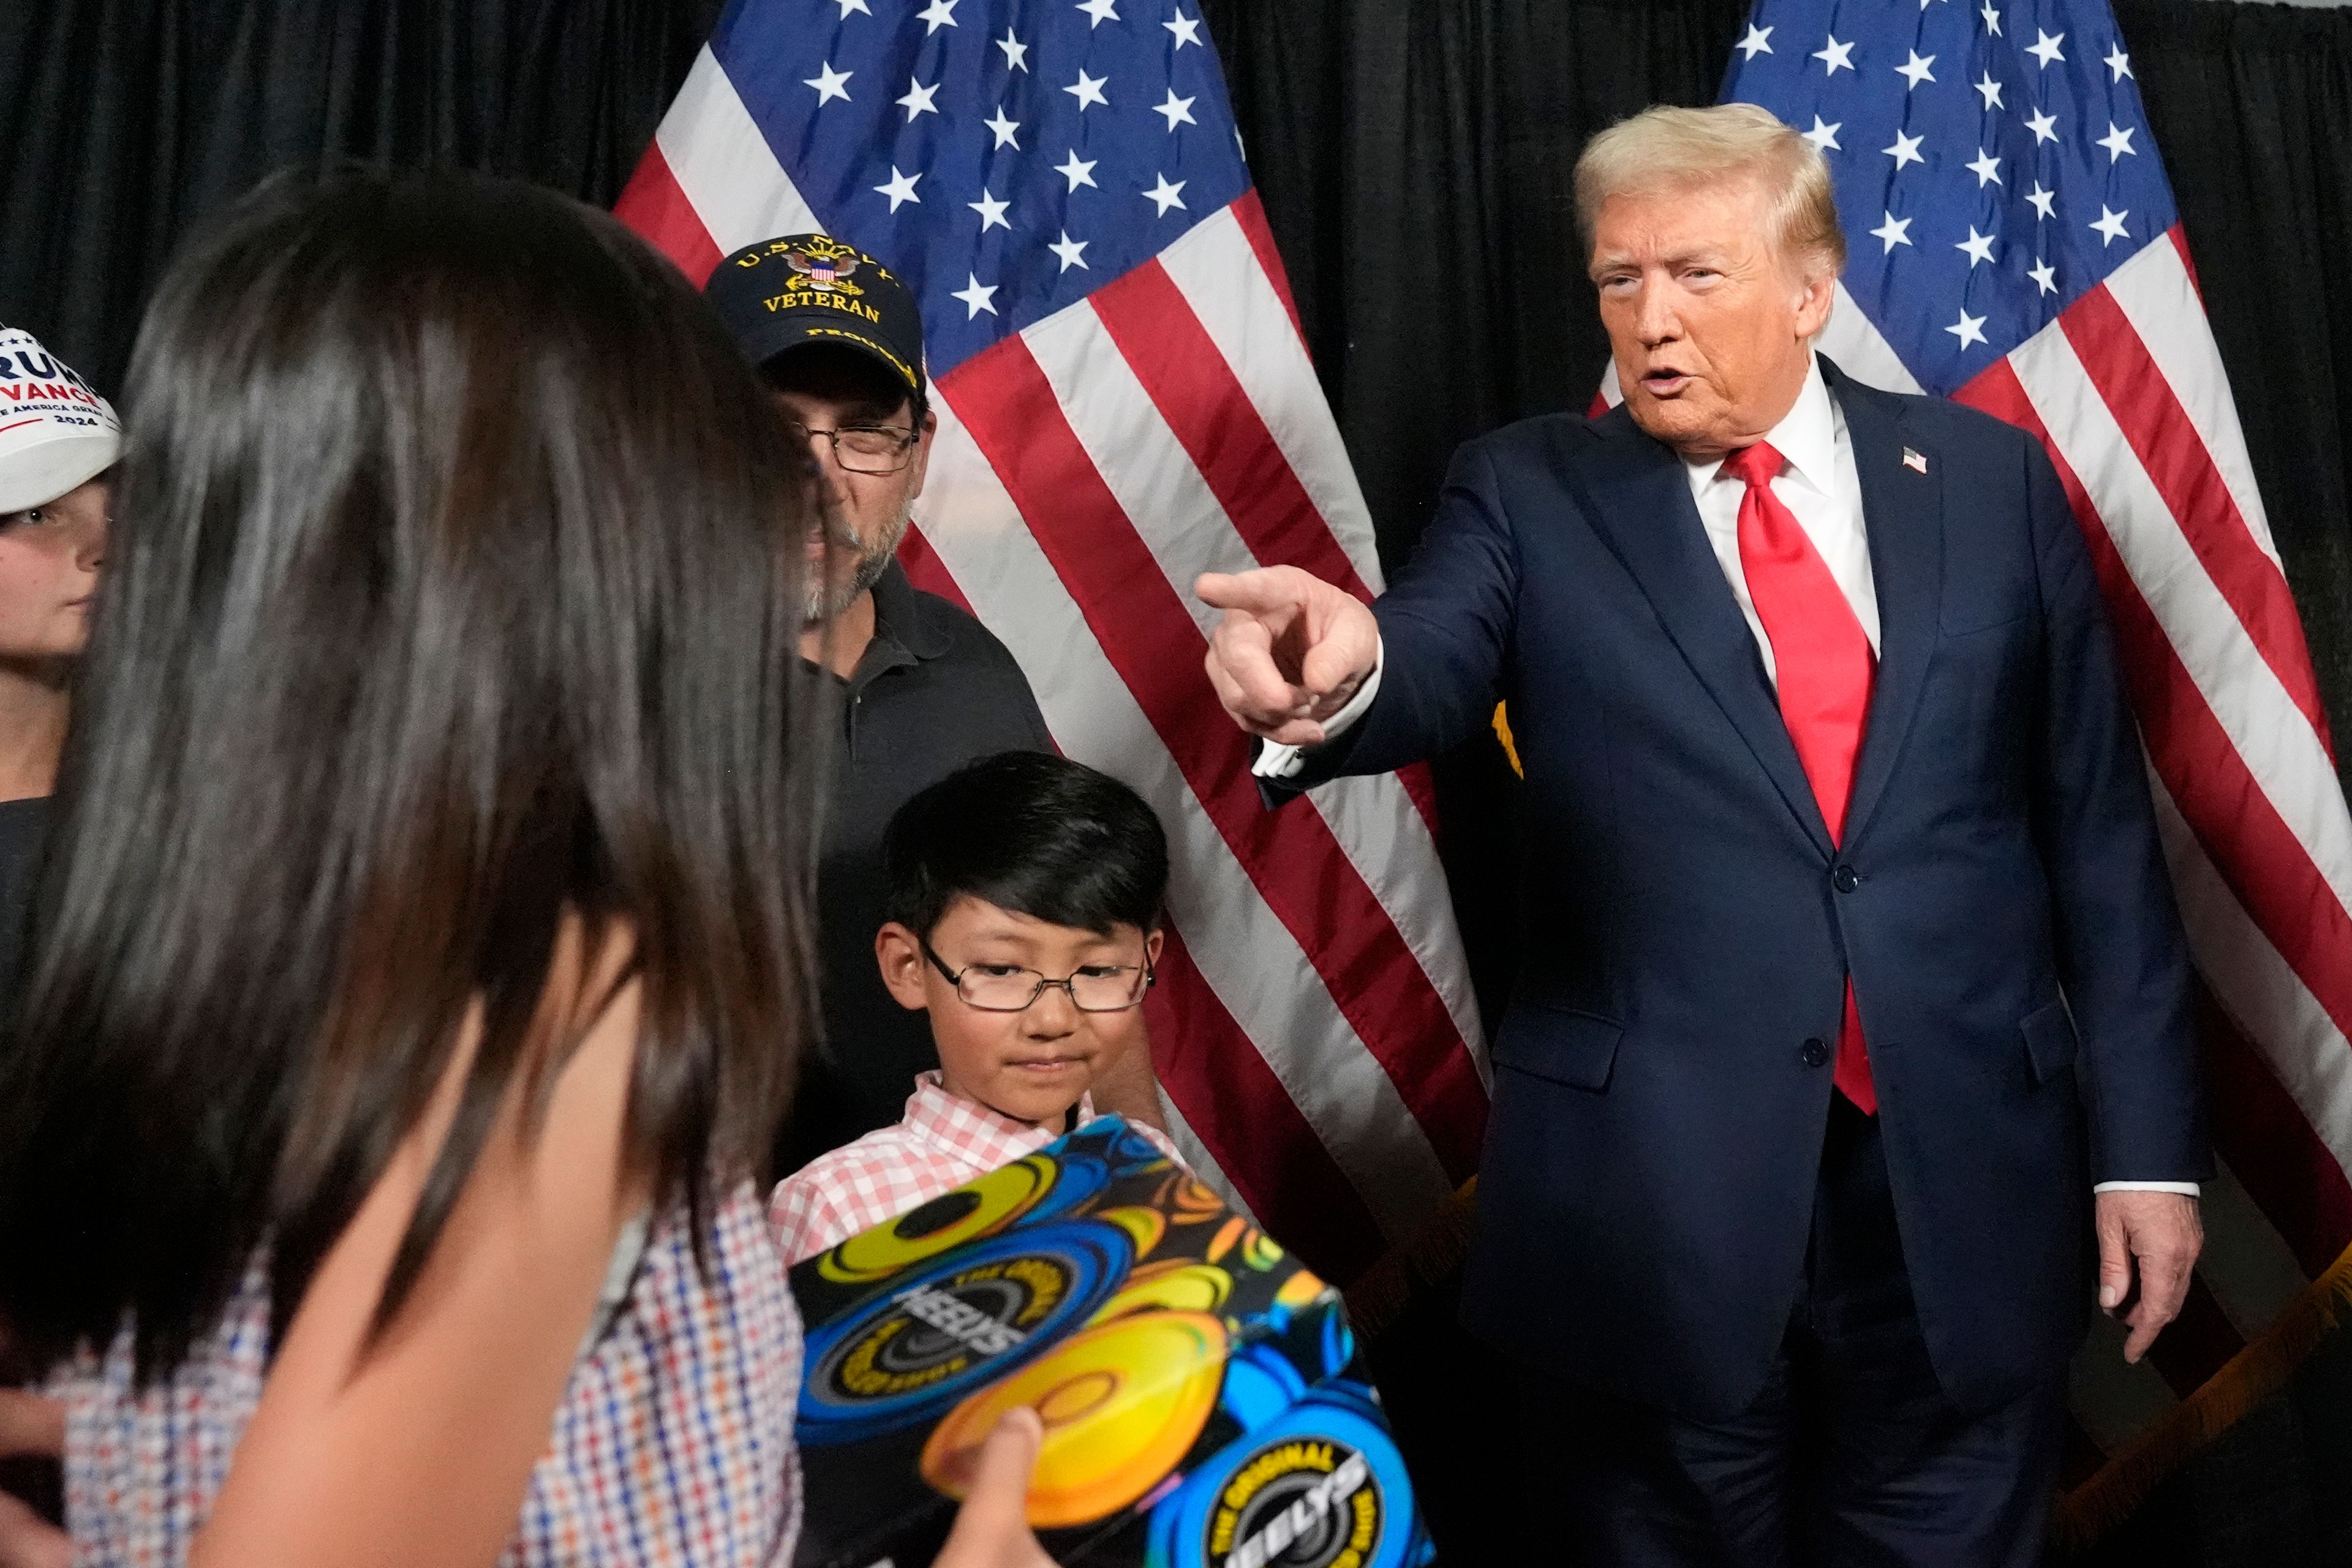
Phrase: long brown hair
(453, 591)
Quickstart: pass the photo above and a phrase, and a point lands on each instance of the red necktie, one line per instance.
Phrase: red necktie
(1824, 665)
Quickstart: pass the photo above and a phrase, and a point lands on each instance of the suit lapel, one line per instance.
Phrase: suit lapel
(1640, 503)
(1903, 516)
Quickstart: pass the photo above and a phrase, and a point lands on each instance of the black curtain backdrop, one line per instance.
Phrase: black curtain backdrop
(130, 121)
(1413, 158)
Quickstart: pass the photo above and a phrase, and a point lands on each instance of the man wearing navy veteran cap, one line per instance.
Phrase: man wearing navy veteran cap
(924, 687)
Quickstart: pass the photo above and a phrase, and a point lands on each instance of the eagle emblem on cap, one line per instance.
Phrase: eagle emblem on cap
(825, 267)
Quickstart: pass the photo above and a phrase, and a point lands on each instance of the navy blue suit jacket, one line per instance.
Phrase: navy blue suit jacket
(1999, 900)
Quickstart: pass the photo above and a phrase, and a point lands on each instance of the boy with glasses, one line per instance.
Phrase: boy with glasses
(922, 687)
(1023, 903)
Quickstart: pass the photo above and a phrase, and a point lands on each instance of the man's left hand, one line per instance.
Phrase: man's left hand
(2156, 1236)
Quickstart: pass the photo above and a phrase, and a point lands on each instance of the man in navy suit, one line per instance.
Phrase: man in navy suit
(1853, 1015)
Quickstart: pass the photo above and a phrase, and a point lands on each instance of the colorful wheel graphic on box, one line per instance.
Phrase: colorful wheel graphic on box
(977, 1208)
(1131, 1154)
(1145, 1227)
(1174, 1285)
(1322, 1486)
(1188, 1200)
(1077, 1179)
(931, 1337)
(1122, 1403)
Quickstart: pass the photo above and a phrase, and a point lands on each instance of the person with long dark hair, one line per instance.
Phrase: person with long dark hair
(423, 946)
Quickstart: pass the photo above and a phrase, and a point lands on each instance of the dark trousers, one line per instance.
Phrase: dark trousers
(1851, 1454)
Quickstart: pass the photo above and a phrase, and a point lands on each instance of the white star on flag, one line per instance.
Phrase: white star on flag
(1991, 90)
(1078, 173)
(1179, 110)
(849, 6)
(1087, 90)
(1968, 329)
(1978, 245)
(1904, 150)
(1992, 20)
(1836, 57)
(992, 211)
(1824, 137)
(1895, 231)
(2043, 125)
(1073, 252)
(2111, 224)
(1101, 11)
(919, 99)
(1005, 131)
(2119, 62)
(2118, 143)
(1986, 168)
(2045, 48)
(1916, 68)
(1166, 195)
(1016, 53)
(2044, 276)
(976, 298)
(1755, 43)
(830, 84)
(2044, 200)
(1186, 29)
(900, 187)
(937, 15)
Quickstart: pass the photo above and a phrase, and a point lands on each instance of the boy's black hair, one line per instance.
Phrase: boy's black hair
(1035, 833)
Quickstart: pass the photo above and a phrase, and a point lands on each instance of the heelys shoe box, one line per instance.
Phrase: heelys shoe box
(1203, 1403)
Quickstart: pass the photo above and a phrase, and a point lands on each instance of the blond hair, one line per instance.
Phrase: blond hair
(1664, 149)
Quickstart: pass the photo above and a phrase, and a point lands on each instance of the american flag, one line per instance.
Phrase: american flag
(1125, 401)
(2014, 245)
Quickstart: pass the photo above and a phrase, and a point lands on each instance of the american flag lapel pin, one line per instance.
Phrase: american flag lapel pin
(1913, 462)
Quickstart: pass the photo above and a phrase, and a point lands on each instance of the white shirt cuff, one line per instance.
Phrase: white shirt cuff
(1282, 761)
(2186, 1189)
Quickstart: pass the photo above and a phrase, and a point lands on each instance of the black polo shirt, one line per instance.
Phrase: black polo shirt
(934, 690)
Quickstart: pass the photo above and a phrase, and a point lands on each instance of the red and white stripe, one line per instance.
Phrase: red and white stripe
(1314, 1025)
(2126, 391)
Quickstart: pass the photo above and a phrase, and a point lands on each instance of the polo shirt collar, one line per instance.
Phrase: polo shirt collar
(984, 1139)
(902, 615)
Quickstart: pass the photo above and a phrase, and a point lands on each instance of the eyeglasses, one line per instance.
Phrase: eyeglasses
(1009, 988)
(863, 448)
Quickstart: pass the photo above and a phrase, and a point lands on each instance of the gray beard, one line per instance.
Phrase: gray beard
(823, 603)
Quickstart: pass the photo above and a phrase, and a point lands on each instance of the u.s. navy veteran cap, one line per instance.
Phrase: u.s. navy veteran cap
(802, 289)
(54, 431)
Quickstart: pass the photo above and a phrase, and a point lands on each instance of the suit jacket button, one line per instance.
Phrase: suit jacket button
(1844, 879)
(1816, 1052)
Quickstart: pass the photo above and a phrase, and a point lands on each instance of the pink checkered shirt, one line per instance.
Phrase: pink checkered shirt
(673, 1447)
(939, 1145)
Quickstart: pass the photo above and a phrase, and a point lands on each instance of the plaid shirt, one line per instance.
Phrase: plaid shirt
(939, 1145)
(672, 1448)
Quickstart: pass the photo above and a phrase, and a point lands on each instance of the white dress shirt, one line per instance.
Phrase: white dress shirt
(1820, 488)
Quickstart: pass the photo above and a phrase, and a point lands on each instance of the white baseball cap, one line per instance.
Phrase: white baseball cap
(55, 431)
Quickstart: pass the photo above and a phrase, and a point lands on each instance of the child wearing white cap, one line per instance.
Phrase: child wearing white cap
(57, 440)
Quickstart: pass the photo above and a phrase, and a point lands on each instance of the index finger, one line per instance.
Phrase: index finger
(991, 1529)
(2163, 1286)
(1258, 592)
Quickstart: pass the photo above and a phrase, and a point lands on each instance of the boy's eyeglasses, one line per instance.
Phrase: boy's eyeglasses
(1008, 988)
(863, 448)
